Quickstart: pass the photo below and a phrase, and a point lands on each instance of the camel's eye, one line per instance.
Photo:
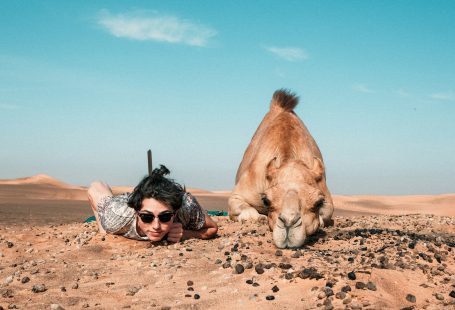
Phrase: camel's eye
(265, 201)
(318, 205)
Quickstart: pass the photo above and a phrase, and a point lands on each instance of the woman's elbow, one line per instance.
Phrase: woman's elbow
(212, 231)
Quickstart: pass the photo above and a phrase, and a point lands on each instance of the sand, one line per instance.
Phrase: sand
(399, 249)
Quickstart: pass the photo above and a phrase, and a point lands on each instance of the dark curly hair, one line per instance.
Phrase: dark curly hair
(159, 187)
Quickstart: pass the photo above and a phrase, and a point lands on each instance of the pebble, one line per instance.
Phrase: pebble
(259, 269)
(270, 297)
(327, 303)
(360, 285)
(239, 269)
(452, 294)
(226, 265)
(285, 266)
(371, 286)
(39, 288)
(75, 286)
(410, 298)
(330, 283)
(189, 283)
(439, 296)
(279, 253)
(275, 289)
(218, 261)
(197, 296)
(328, 291)
(351, 275)
(340, 295)
(10, 244)
(346, 301)
(8, 280)
(25, 280)
(310, 273)
(8, 293)
(346, 289)
(356, 306)
(133, 290)
(249, 281)
(56, 307)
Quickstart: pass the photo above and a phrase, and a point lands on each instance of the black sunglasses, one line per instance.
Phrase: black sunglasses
(163, 217)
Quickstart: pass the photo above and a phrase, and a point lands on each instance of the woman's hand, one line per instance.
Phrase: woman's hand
(175, 234)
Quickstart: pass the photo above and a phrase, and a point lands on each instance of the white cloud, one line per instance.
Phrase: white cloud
(362, 88)
(288, 53)
(447, 96)
(154, 27)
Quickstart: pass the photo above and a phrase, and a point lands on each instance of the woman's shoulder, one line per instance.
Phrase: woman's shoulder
(191, 214)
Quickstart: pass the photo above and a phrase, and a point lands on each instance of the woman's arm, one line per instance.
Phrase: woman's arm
(208, 230)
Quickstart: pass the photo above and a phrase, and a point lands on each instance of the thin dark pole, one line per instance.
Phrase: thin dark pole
(149, 160)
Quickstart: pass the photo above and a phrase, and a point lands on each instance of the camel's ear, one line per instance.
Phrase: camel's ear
(272, 167)
(318, 168)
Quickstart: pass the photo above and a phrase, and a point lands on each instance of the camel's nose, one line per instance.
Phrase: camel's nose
(290, 214)
(289, 220)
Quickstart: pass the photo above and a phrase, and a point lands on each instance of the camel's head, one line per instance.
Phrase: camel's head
(293, 199)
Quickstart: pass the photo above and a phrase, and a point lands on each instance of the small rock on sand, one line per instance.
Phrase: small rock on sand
(239, 269)
(351, 275)
(39, 288)
(439, 296)
(25, 280)
(340, 295)
(8, 280)
(371, 286)
(360, 285)
(259, 269)
(410, 298)
(346, 289)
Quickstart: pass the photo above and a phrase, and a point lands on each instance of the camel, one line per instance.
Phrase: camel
(281, 179)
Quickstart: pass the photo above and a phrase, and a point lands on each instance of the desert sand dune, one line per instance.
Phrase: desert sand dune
(398, 205)
(39, 179)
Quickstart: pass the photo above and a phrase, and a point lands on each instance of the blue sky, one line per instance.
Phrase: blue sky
(86, 87)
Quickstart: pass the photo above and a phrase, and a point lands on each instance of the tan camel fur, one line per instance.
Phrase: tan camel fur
(281, 178)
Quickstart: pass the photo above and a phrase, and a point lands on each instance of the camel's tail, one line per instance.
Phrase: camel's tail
(284, 99)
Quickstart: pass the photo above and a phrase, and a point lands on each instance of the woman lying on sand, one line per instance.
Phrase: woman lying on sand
(157, 209)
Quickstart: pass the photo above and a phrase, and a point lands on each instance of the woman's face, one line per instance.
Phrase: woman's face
(156, 229)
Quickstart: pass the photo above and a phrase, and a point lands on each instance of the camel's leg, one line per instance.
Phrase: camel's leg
(325, 215)
(241, 211)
